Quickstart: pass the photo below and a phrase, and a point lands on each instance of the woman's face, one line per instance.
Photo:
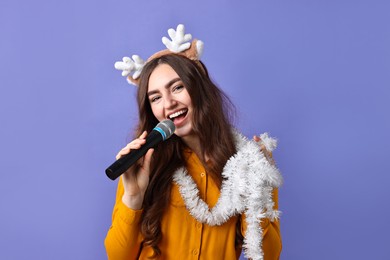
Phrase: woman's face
(169, 99)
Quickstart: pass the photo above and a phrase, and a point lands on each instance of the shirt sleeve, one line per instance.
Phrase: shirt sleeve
(272, 240)
(123, 240)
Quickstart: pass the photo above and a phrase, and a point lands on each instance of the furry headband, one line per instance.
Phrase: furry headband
(178, 44)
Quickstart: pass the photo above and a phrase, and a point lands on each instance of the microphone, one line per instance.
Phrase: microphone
(161, 132)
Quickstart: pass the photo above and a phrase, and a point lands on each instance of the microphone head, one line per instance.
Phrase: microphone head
(166, 128)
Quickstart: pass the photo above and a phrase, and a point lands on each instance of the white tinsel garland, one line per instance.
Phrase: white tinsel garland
(247, 188)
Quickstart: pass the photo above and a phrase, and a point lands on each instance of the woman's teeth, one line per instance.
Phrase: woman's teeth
(178, 113)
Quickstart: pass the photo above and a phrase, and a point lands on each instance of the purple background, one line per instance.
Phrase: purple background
(315, 74)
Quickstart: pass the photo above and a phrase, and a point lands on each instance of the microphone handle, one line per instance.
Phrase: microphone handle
(125, 162)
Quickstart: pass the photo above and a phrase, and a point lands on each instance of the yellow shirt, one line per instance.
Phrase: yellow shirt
(183, 237)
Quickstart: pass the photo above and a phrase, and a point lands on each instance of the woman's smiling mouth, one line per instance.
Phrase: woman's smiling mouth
(178, 116)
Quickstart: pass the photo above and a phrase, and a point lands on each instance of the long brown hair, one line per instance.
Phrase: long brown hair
(211, 122)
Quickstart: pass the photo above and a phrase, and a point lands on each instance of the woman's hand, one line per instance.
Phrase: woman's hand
(263, 149)
(136, 178)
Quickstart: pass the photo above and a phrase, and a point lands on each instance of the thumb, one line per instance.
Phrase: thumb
(147, 160)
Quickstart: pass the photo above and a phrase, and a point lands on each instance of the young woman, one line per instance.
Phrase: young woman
(202, 194)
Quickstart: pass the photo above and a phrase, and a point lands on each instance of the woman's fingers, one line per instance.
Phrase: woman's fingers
(263, 149)
(143, 135)
(256, 138)
(135, 144)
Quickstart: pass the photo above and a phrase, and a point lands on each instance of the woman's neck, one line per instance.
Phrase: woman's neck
(193, 142)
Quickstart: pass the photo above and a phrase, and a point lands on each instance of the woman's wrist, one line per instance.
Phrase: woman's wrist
(133, 202)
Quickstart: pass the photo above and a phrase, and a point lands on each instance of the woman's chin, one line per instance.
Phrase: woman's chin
(184, 131)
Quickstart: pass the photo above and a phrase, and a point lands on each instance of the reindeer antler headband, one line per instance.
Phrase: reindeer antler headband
(179, 44)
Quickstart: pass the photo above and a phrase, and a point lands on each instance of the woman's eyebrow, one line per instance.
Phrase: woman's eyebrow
(170, 83)
(173, 81)
(153, 92)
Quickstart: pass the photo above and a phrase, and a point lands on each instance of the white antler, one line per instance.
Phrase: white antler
(179, 41)
(129, 66)
(199, 48)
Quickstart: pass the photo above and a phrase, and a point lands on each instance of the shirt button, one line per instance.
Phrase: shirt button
(195, 252)
(199, 225)
(202, 174)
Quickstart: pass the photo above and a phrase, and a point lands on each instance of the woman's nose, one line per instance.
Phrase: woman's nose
(169, 102)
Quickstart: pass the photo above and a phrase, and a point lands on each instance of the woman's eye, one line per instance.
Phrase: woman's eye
(178, 88)
(154, 99)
